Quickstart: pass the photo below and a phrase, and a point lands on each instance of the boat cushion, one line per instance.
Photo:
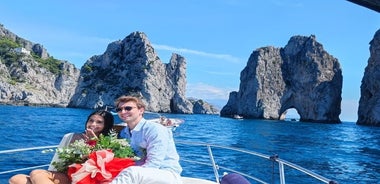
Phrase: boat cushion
(65, 141)
(234, 178)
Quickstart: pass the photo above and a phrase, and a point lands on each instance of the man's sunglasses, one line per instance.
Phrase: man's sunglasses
(126, 108)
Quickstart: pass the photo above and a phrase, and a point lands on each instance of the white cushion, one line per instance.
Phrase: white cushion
(188, 180)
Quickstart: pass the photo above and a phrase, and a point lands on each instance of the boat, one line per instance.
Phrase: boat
(171, 123)
(108, 108)
(237, 116)
(213, 158)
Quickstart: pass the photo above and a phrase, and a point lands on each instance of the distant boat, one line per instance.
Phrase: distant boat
(168, 122)
(291, 119)
(237, 116)
(108, 109)
(171, 123)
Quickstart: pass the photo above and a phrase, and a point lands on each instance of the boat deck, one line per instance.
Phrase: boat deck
(188, 180)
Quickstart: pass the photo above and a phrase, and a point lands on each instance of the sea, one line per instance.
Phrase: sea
(345, 153)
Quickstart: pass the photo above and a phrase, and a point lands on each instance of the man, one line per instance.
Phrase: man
(152, 142)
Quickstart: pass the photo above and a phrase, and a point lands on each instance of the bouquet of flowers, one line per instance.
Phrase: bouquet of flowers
(95, 161)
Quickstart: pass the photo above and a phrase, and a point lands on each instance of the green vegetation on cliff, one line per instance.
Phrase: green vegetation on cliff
(9, 57)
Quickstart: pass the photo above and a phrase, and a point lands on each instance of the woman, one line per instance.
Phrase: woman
(98, 122)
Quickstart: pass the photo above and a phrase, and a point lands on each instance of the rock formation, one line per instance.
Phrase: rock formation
(369, 103)
(22, 79)
(29, 76)
(202, 107)
(302, 76)
(131, 67)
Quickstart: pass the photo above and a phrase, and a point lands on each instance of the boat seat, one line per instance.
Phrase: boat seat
(65, 141)
(233, 178)
(188, 180)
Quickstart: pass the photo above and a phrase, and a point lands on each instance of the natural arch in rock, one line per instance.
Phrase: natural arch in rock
(290, 114)
(302, 75)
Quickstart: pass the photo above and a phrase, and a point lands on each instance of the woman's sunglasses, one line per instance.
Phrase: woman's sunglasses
(126, 108)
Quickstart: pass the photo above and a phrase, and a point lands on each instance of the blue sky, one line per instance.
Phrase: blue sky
(215, 36)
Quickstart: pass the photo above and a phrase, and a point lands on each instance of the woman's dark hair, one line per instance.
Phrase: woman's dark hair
(108, 120)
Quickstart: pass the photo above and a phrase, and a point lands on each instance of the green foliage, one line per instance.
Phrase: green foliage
(6, 46)
(76, 152)
(79, 151)
(28, 86)
(11, 58)
(15, 80)
(88, 68)
(53, 65)
(120, 147)
(12, 82)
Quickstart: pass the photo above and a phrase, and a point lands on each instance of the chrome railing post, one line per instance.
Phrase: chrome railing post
(282, 173)
(214, 166)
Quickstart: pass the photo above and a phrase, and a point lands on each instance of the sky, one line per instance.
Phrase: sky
(215, 36)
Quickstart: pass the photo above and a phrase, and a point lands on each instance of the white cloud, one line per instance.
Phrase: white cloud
(226, 57)
(211, 94)
(206, 91)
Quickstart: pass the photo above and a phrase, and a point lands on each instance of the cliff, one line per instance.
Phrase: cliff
(30, 76)
(131, 67)
(369, 103)
(302, 76)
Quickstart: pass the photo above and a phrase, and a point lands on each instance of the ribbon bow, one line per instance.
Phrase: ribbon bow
(101, 167)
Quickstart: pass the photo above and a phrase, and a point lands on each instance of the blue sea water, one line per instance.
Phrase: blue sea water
(346, 152)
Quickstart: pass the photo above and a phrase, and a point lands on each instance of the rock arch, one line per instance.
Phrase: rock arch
(290, 114)
(302, 75)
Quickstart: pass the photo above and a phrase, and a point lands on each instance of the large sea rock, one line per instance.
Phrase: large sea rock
(369, 103)
(132, 67)
(24, 79)
(302, 75)
(30, 76)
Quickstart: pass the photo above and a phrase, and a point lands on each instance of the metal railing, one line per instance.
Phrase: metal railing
(274, 159)
(212, 163)
(22, 150)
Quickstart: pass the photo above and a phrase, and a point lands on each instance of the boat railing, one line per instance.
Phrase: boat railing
(22, 150)
(216, 165)
(272, 158)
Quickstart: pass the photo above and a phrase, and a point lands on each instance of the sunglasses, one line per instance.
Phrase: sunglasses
(126, 108)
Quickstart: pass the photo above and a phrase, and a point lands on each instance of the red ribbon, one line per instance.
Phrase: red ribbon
(100, 168)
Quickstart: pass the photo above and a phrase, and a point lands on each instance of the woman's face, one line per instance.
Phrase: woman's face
(95, 123)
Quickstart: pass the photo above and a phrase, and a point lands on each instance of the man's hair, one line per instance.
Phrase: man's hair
(124, 99)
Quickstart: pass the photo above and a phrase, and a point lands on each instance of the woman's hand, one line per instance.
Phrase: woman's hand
(90, 135)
